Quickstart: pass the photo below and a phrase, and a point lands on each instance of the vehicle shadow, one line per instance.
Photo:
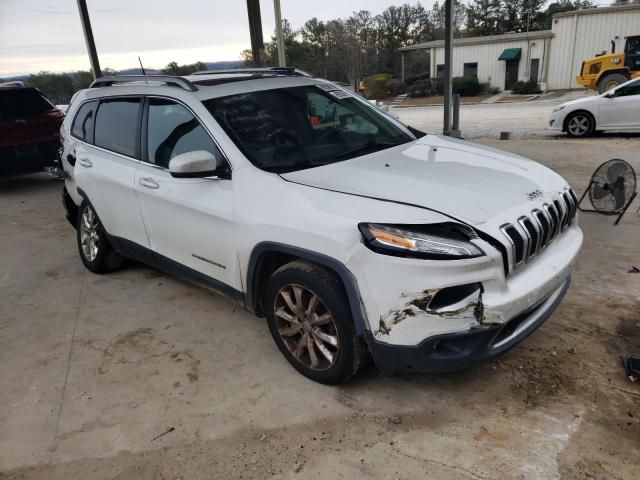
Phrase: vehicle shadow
(622, 135)
(29, 183)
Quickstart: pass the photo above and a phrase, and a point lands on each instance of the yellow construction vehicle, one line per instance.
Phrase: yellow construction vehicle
(608, 70)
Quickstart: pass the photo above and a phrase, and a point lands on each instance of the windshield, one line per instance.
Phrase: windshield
(288, 129)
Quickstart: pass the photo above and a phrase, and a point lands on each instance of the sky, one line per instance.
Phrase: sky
(46, 35)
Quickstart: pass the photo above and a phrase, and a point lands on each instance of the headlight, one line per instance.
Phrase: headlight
(442, 241)
(557, 109)
(595, 68)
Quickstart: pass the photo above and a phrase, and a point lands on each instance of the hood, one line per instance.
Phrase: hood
(469, 182)
(580, 101)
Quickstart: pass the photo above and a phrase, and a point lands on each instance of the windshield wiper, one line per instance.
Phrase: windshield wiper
(370, 147)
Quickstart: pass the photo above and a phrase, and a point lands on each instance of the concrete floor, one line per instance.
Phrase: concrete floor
(522, 119)
(94, 369)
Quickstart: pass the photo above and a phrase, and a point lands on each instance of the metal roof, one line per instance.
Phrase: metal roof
(507, 37)
(594, 10)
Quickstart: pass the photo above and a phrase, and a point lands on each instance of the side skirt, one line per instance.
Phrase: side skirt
(137, 252)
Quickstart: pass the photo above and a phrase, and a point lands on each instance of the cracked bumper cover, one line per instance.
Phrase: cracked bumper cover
(457, 351)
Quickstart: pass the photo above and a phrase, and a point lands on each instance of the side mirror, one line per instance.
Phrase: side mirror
(196, 164)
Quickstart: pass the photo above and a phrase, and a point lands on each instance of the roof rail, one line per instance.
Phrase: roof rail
(168, 79)
(285, 71)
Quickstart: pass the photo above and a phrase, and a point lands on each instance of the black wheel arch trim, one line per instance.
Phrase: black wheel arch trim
(348, 279)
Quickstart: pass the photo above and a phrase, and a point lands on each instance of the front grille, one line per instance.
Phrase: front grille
(534, 232)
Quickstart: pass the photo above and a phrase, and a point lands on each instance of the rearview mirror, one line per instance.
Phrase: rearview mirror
(196, 164)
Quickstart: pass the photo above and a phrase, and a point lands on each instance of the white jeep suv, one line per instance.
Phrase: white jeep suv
(349, 231)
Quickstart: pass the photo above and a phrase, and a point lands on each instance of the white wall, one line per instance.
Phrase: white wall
(490, 69)
(578, 37)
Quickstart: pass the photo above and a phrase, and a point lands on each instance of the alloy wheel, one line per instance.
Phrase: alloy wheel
(578, 125)
(306, 327)
(89, 234)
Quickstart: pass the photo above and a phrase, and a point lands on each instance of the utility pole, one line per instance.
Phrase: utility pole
(448, 68)
(88, 38)
(282, 59)
(255, 30)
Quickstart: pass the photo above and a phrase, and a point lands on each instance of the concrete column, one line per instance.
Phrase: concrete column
(448, 67)
(88, 38)
(282, 58)
(255, 30)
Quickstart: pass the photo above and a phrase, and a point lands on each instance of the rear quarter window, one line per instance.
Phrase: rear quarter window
(82, 127)
(116, 125)
(22, 102)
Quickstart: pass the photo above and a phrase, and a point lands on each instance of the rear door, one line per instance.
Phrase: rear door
(189, 220)
(622, 110)
(105, 170)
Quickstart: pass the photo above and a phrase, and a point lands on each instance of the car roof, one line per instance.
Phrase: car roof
(17, 85)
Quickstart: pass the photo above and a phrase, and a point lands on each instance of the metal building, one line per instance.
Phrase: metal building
(551, 57)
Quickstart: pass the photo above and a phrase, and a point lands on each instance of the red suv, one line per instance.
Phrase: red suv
(30, 126)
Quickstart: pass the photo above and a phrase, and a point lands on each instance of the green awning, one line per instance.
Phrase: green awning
(510, 54)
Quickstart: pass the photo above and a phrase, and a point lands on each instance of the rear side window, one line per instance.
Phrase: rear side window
(21, 102)
(82, 127)
(117, 125)
(172, 130)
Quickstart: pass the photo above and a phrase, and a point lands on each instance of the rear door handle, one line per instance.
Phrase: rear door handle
(148, 182)
(85, 162)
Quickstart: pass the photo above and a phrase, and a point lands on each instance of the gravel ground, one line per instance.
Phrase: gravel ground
(137, 375)
(522, 119)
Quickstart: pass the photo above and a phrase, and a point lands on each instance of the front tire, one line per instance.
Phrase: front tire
(310, 321)
(580, 125)
(95, 251)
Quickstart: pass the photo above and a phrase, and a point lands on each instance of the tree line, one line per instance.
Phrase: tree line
(345, 49)
(364, 44)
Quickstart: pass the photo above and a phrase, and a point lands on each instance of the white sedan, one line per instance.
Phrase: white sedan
(615, 110)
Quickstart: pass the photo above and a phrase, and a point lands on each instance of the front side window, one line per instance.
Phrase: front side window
(117, 125)
(83, 122)
(287, 129)
(172, 130)
(632, 88)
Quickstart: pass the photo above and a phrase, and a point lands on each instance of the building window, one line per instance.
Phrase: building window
(470, 70)
(440, 70)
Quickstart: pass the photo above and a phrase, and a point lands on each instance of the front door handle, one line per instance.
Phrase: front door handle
(85, 162)
(148, 182)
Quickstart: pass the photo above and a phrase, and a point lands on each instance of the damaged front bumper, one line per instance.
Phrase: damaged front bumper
(418, 309)
(456, 351)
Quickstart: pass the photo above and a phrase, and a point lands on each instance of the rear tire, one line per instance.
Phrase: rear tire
(580, 124)
(310, 321)
(611, 81)
(96, 252)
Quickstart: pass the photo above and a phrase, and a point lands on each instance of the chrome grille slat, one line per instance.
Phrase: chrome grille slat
(532, 233)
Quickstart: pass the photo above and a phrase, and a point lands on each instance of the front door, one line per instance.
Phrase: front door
(511, 76)
(535, 70)
(622, 110)
(189, 220)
